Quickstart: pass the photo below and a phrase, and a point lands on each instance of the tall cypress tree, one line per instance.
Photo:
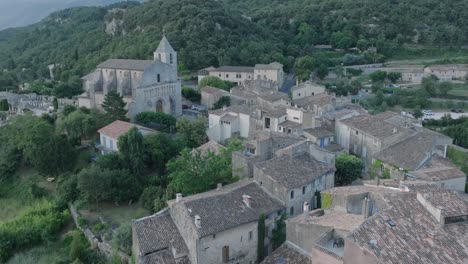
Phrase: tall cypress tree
(261, 239)
(114, 106)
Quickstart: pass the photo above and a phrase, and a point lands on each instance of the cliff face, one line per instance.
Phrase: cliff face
(20, 13)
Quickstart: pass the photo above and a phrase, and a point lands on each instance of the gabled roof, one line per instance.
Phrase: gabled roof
(376, 126)
(225, 209)
(410, 153)
(164, 46)
(119, 128)
(294, 172)
(438, 169)
(157, 233)
(233, 69)
(272, 66)
(414, 234)
(240, 109)
(319, 132)
(119, 64)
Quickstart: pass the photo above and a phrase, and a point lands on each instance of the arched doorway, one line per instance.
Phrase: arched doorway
(159, 106)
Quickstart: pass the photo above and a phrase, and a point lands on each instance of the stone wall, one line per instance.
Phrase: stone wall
(103, 246)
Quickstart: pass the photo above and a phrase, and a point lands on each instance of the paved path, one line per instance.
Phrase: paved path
(439, 115)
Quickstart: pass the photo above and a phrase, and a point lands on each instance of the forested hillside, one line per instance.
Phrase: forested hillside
(210, 32)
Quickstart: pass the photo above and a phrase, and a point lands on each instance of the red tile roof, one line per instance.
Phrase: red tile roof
(118, 128)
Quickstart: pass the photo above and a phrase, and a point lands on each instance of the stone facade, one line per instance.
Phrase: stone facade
(146, 85)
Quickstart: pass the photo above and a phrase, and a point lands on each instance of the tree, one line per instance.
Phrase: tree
(348, 169)
(55, 103)
(49, 153)
(378, 76)
(322, 71)
(279, 232)
(214, 81)
(114, 106)
(94, 184)
(160, 148)
(417, 113)
(122, 238)
(394, 76)
(444, 88)
(77, 247)
(261, 238)
(132, 150)
(149, 196)
(194, 132)
(4, 106)
(191, 94)
(161, 121)
(429, 84)
(304, 67)
(68, 109)
(78, 125)
(195, 172)
(223, 101)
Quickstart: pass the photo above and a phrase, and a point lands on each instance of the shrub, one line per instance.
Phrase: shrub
(327, 200)
(191, 94)
(33, 227)
(149, 196)
(156, 120)
(122, 238)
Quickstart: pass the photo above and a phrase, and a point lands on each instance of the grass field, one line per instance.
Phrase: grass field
(115, 215)
(43, 254)
(460, 90)
(15, 197)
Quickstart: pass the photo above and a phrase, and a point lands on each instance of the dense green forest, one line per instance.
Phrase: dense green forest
(236, 32)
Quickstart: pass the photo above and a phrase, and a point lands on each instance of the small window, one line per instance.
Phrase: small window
(227, 75)
(214, 236)
(292, 194)
(159, 56)
(357, 132)
(250, 235)
(170, 58)
(159, 77)
(291, 210)
(304, 188)
(219, 75)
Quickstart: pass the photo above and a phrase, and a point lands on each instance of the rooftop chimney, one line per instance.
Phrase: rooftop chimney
(198, 221)
(366, 207)
(178, 197)
(306, 210)
(224, 108)
(219, 186)
(247, 200)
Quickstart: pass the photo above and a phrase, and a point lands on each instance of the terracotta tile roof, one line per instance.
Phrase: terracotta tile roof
(438, 169)
(414, 235)
(319, 132)
(214, 90)
(118, 128)
(375, 126)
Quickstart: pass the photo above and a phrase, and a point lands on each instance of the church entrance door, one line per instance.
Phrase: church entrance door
(159, 106)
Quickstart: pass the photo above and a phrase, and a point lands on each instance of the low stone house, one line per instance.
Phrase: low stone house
(421, 157)
(232, 121)
(109, 135)
(294, 179)
(306, 89)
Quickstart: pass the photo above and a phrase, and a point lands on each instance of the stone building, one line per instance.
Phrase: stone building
(146, 85)
(110, 134)
(306, 89)
(219, 226)
(375, 224)
(272, 72)
(448, 72)
(365, 135)
(294, 179)
(422, 157)
(232, 121)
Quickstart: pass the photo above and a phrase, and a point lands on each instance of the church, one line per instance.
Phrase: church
(146, 85)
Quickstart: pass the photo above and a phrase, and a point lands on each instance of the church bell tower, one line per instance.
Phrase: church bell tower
(165, 53)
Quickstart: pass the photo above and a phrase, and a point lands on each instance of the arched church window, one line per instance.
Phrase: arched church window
(159, 77)
(170, 58)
